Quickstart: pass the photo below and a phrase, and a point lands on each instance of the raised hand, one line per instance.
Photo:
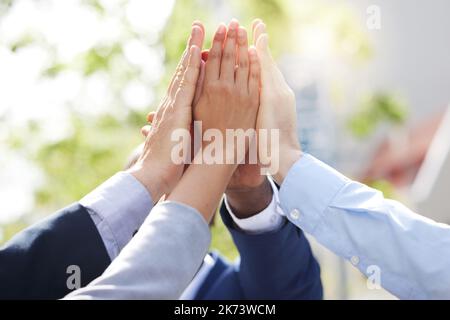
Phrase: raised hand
(229, 100)
(277, 107)
(155, 168)
(230, 96)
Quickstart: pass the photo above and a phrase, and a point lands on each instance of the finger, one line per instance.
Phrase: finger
(269, 69)
(242, 70)
(196, 38)
(262, 47)
(186, 89)
(255, 73)
(259, 29)
(199, 87)
(197, 35)
(212, 68)
(266, 62)
(229, 53)
(199, 24)
(145, 130)
(254, 24)
(151, 117)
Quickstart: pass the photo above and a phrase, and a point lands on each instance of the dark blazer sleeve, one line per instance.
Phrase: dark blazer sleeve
(34, 263)
(275, 265)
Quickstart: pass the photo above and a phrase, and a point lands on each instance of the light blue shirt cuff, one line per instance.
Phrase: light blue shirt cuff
(118, 208)
(307, 191)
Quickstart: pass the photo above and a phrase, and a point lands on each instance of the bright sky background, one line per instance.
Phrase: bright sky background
(72, 29)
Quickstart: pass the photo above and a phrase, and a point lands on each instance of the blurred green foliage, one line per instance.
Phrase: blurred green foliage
(385, 187)
(99, 145)
(378, 108)
(75, 165)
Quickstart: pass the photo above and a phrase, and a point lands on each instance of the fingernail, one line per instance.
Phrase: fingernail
(196, 30)
(234, 24)
(222, 29)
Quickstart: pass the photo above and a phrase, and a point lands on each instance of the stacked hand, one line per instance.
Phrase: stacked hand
(233, 87)
(277, 107)
(155, 168)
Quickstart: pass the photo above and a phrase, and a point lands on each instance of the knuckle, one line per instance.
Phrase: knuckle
(194, 66)
(227, 55)
(227, 88)
(243, 63)
(214, 54)
(211, 87)
(186, 83)
(254, 74)
(179, 69)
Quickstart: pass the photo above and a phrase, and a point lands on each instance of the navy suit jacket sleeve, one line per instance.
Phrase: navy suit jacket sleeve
(34, 263)
(275, 265)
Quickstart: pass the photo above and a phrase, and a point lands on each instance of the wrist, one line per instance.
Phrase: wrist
(247, 202)
(288, 157)
(151, 181)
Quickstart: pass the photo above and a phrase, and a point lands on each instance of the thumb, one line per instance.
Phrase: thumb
(199, 86)
(262, 47)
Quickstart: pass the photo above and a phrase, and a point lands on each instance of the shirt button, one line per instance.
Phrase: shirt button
(295, 214)
(354, 260)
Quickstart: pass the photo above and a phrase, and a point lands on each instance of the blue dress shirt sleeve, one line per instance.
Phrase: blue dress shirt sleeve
(160, 261)
(118, 207)
(410, 252)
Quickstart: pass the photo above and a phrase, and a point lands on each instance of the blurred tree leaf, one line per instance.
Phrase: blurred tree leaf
(22, 42)
(378, 108)
(99, 58)
(94, 4)
(385, 187)
(73, 166)
(54, 70)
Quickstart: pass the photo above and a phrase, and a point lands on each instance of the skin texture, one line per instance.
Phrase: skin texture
(154, 168)
(229, 100)
(277, 105)
(248, 191)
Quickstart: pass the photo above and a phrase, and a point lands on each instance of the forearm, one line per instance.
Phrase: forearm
(202, 187)
(288, 157)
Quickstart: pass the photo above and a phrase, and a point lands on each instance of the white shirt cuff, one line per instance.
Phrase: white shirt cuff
(270, 219)
(118, 207)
